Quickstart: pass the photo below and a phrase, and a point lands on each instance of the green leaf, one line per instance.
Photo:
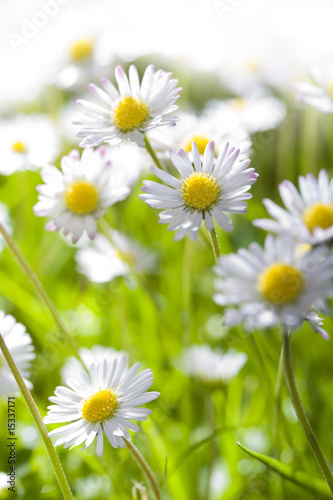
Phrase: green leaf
(302, 479)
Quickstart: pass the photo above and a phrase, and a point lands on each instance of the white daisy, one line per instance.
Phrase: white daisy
(79, 194)
(309, 213)
(254, 114)
(218, 127)
(273, 285)
(95, 355)
(320, 94)
(103, 261)
(19, 344)
(212, 367)
(105, 401)
(207, 189)
(127, 113)
(28, 142)
(6, 221)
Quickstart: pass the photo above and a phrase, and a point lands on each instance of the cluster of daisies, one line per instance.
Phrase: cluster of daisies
(204, 177)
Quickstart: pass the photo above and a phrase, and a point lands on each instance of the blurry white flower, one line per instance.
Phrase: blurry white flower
(273, 285)
(207, 189)
(217, 127)
(6, 221)
(254, 114)
(212, 366)
(79, 195)
(127, 113)
(28, 142)
(19, 344)
(320, 94)
(103, 261)
(309, 213)
(95, 355)
(105, 401)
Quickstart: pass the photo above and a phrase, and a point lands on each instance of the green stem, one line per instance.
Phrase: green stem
(40, 290)
(145, 468)
(158, 163)
(53, 456)
(300, 412)
(215, 244)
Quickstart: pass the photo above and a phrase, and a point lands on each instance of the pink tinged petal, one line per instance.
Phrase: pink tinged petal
(95, 108)
(134, 80)
(110, 88)
(208, 158)
(179, 164)
(166, 177)
(196, 158)
(223, 220)
(100, 94)
(99, 442)
(122, 81)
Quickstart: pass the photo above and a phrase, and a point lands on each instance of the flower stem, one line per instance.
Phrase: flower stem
(145, 468)
(53, 456)
(215, 244)
(158, 163)
(302, 417)
(40, 289)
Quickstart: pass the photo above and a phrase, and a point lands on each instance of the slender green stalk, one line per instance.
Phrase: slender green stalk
(158, 163)
(40, 290)
(53, 456)
(215, 244)
(145, 468)
(300, 412)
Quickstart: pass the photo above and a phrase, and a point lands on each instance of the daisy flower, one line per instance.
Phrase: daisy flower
(105, 401)
(28, 142)
(127, 113)
(103, 261)
(19, 344)
(320, 94)
(254, 114)
(218, 127)
(309, 211)
(95, 355)
(263, 287)
(207, 189)
(212, 367)
(75, 197)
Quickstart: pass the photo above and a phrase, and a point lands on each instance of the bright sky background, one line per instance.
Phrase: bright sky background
(221, 35)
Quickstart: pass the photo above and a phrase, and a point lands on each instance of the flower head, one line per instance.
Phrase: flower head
(127, 113)
(263, 287)
(212, 367)
(79, 194)
(320, 94)
(28, 142)
(105, 401)
(19, 344)
(309, 213)
(207, 189)
(102, 261)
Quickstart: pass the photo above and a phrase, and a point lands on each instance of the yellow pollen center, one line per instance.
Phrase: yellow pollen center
(200, 190)
(81, 49)
(19, 147)
(318, 215)
(280, 283)
(81, 197)
(126, 257)
(200, 140)
(99, 406)
(237, 104)
(130, 113)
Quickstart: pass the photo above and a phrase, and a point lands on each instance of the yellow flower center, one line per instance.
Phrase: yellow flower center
(126, 257)
(200, 140)
(238, 104)
(81, 49)
(81, 197)
(318, 215)
(99, 406)
(200, 190)
(130, 113)
(19, 147)
(280, 283)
